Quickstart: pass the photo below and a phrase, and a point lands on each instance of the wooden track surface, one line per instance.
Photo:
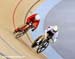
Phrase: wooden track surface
(12, 15)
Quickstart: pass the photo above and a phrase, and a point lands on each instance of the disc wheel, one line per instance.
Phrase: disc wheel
(34, 44)
(19, 34)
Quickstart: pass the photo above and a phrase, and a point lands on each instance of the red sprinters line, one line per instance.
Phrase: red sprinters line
(13, 17)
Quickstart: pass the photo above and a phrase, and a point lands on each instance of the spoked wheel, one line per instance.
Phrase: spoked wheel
(42, 46)
(19, 34)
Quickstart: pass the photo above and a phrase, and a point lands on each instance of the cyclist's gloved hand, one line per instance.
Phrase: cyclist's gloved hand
(33, 29)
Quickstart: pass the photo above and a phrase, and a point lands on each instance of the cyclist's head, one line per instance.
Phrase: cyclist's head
(37, 17)
(55, 28)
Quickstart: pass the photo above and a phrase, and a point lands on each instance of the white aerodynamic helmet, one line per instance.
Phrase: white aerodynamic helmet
(55, 28)
(37, 17)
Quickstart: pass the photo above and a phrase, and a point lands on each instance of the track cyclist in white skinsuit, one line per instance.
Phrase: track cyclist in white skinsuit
(52, 32)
